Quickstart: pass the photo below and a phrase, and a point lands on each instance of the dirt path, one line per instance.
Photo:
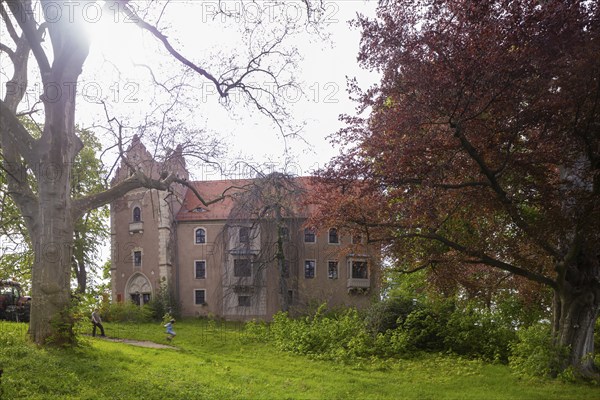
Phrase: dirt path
(140, 343)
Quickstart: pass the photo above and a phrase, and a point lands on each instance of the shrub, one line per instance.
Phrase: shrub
(535, 353)
(126, 312)
(389, 313)
(424, 329)
(340, 336)
(481, 333)
(164, 303)
(257, 331)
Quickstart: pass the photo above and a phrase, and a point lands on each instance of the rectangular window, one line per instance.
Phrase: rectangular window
(244, 301)
(332, 269)
(137, 258)
(137, 214)
(357, 239)
(333, 236)
(290, 298)
(245, 235)
(286, 269)
(284, 232)
(360, 270)
(199, 296)
(309, 235)
(309, 269)
(242, 267)
(200, 269)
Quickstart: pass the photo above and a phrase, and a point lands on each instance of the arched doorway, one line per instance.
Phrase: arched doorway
(139, 290)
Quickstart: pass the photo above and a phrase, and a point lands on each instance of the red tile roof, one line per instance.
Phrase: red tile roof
(193, 209)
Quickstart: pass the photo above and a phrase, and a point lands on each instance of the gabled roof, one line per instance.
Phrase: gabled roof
(192, 208)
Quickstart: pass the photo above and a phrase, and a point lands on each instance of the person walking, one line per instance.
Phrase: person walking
(97, 322)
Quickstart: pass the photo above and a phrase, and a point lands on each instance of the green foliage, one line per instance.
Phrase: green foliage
(535, 353)
(424, 328)
(434, 327)
(389, 313)
(126, 312)
(214, 364)
(341, 336)
(164, 303)
(479, 332)
(257, 331)
(63, 327)
(16, 257)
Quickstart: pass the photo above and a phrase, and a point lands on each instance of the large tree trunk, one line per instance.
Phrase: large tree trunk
(52, 272)
(577, 303)
(53, 232)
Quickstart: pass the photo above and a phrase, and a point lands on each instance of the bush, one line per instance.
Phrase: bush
(164, 303)
(257, 331)
(535, 353)
(480, 333)
(342, 336)
(126, 312)
(433, 327)
(389, 313)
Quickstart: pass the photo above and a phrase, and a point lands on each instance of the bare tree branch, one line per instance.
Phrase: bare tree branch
(24, 15)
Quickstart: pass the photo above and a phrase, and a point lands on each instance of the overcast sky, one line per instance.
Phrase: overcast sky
(322, 70)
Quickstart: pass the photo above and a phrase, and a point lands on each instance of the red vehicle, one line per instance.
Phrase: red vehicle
(14, 306)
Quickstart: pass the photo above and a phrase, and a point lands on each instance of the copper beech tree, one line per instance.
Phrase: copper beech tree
(48, 38)
(482, 147)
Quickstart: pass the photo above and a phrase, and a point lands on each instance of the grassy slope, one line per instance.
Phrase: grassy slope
(218, 363)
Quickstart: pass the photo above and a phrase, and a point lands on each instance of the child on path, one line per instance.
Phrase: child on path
(170, 331)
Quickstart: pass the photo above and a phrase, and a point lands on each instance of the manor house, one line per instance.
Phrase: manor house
(247, 255)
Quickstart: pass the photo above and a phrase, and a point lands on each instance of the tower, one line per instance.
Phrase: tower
(143, 227)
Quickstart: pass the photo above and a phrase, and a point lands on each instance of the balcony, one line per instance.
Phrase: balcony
(243, 289)
(135, 227)
(356, 283)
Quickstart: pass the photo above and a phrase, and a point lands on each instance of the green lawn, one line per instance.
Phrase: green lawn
(218, 362)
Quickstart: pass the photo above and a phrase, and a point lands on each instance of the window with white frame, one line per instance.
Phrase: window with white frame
(332, 269)
(310, 267)
(200, 269)
(200, 236)
(199, 296)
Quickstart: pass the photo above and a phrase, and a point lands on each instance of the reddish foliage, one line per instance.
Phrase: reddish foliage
(482, 146)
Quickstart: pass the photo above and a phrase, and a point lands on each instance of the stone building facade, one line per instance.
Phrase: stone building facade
(236, 258)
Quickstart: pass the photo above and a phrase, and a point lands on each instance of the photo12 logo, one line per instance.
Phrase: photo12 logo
(90, 91)
(256, 12)
(76, 11)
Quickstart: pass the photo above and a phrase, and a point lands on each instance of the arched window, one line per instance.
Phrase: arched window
(200, 236)
(137, 214)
